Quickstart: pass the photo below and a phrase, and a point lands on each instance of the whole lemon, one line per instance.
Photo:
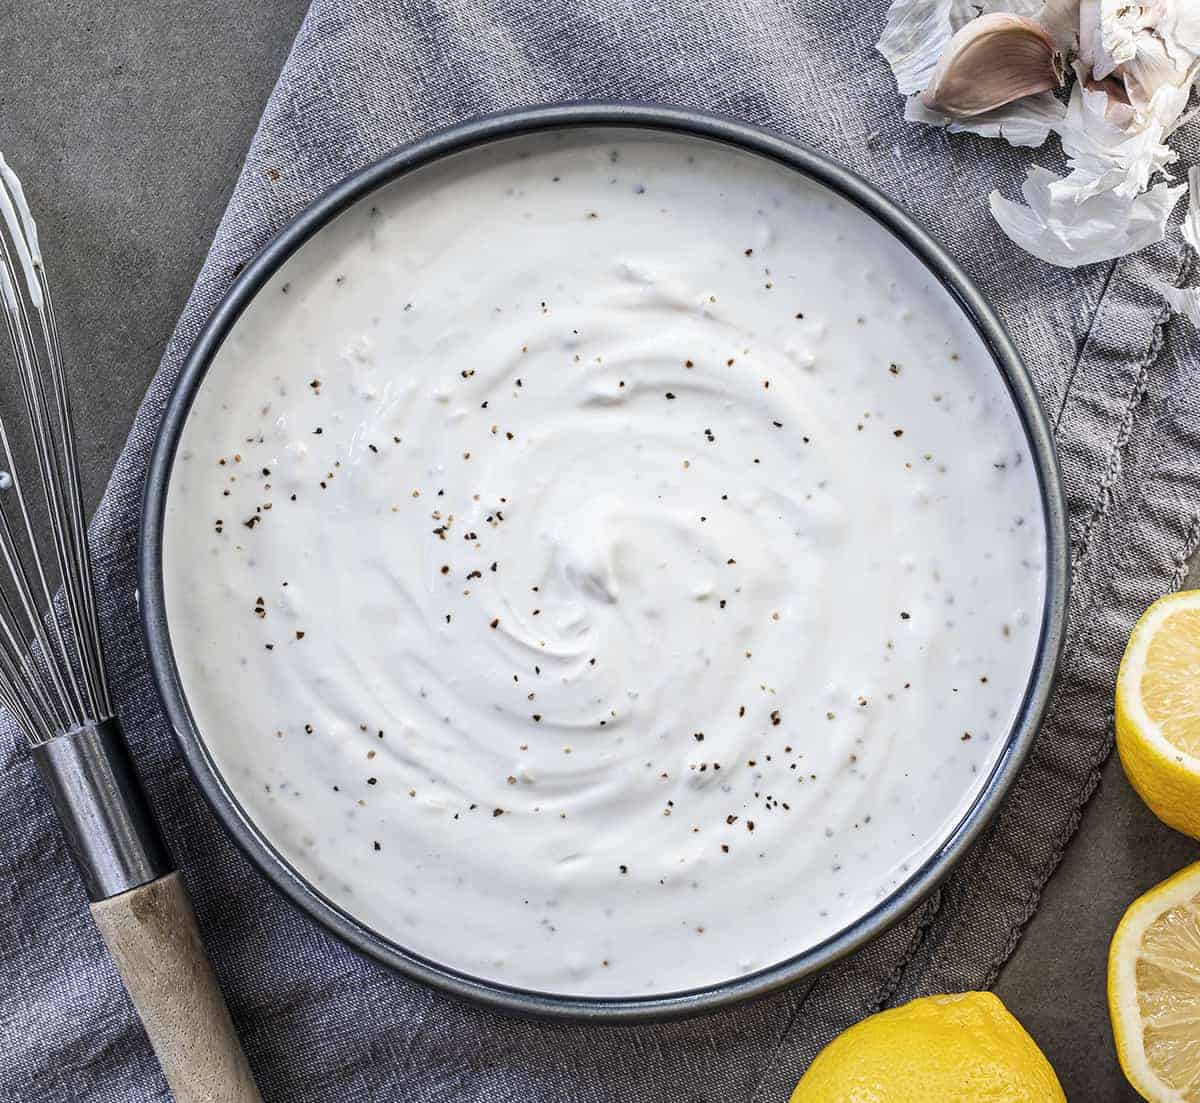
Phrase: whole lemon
(963, 1048)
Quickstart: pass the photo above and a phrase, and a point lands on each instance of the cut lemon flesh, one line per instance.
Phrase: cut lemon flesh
(1158, 710)
(1154, 990)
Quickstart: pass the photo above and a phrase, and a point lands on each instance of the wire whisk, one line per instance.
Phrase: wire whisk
(54, 685)
(52, 677)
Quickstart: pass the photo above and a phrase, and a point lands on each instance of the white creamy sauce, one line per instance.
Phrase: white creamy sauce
(605, 563)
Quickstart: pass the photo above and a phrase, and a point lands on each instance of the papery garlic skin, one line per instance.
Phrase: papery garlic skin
(1191, 222)
(1059, 228)
(916, 34)
(1183, 300)
(1026, 122)
(1186, 300)
(1092, 52)
(1103, 154)
(1061, 20)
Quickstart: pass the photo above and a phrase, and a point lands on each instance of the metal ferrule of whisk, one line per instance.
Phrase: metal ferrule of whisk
(105, 818)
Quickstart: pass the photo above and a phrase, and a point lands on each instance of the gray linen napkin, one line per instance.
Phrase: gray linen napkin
(322, 1023)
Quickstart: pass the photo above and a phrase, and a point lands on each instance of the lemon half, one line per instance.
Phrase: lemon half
(963, 1048)
(1158, 710)
(1154, 990)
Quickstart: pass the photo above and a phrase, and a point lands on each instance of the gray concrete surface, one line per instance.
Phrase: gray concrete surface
(128, 123)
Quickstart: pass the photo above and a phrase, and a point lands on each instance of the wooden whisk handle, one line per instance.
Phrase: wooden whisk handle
(152, 934)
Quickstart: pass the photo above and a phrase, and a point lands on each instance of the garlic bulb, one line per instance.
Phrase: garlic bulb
(992, 61)
(1152, 48)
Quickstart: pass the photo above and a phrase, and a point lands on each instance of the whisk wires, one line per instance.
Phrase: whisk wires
(52, 673)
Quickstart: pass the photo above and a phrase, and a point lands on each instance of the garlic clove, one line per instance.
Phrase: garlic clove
(1119, 112)
(992, 61)
(1062, 20)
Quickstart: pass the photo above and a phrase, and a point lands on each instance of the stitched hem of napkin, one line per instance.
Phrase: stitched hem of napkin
(1190, 545)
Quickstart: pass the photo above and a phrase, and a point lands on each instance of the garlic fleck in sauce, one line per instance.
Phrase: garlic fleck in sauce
(604, 563)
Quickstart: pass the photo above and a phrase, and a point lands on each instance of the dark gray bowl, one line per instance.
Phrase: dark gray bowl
(539, 1004)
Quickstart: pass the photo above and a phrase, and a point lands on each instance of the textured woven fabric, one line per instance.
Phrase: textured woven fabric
(1118, 380)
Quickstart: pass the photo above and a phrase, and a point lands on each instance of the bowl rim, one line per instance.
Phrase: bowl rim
(481, 131)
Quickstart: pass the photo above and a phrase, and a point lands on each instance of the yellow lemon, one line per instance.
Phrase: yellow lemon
(1154, 990)
(954, 1049)
(1158, 710)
